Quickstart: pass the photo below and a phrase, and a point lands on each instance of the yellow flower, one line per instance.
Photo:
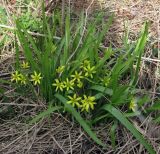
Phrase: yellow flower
(105, 81)
(89, 71)
(133, 105)
(25, 65)
(88, 102)
(22, 79)
(85, 64)
(77, 76)
(36, 78)
(74, 100)
(60, 69)
(15, 76)
(69, 84)
(58, 85)
(80, 84)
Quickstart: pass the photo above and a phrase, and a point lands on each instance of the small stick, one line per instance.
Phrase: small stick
(32, 33)
(16, 104)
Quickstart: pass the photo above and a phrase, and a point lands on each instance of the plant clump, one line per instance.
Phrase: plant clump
(70, 75)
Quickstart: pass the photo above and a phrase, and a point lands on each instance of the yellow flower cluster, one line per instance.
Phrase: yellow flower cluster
(60, 69)
(77, 77)
(69, 84)
(16, 76)
(66, 84)
(84, 104)
(88, 69)
(19, 77)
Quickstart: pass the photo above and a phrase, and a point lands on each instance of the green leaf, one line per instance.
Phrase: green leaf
(118, 115)
(102, 89)
(145, 99)
(120, 94)
(78, 117)
(67, 40)
(107, 55)
(157, 120)
(26, 46)
(17, 65)
(99, 118)
(139, 51)
(45, 113)
(112, 134)
(7, 82)
(98, 96)
(132, 114)
(154, 107)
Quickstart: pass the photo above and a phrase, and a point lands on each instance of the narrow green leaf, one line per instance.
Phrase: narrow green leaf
(67, 40)
(139, 51)
(27, 50)
(99, 95)
(157, 120)
(113, 134)
(94, 121)
(118, 115)
(17, 54)
(132, 114)
(78, 117)
(102, 89)
(58, 53)
(105, 29)
(7, 82)
(106, 56)
(35, 49)
(45, 113)
(154, 107)
(120, 94)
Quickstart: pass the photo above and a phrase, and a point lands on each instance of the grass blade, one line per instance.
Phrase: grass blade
(107, 55)
(139, 51)
(45, 114)
(118, 115)
(27, 51)
(112, 134)
(67, 40)
(78, 117)
(102, 89)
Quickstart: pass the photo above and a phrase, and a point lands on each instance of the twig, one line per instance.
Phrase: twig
(143, 58)
(76, 141)
(85, 23)
(71, 151)
(17, 138)
(58, 38)
(58, 144)
(15, 104)
(32, 33)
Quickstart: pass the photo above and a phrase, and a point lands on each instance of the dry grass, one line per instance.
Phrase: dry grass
(57, 134)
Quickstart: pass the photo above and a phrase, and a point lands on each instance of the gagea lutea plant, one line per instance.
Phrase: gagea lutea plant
(68, 69)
